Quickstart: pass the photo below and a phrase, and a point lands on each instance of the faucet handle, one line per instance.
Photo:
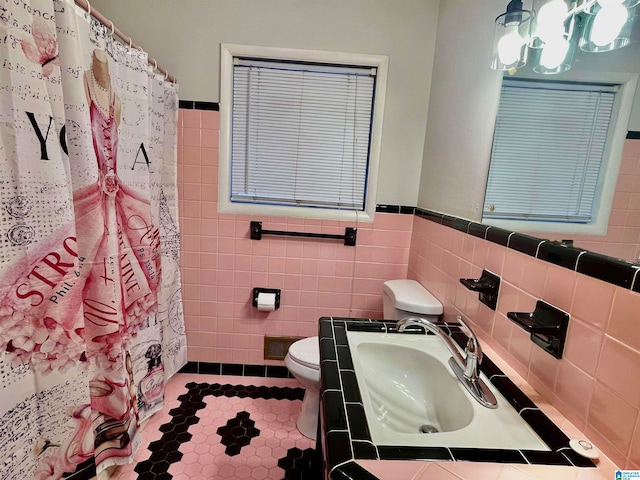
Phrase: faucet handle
(473, 345)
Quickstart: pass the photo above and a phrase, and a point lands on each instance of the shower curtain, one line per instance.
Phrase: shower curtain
(91, 323)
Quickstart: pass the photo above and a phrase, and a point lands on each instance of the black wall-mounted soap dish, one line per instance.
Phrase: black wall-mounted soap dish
(487, 286)
(547, 324)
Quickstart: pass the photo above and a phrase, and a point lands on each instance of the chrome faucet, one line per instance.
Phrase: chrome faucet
(467, 369)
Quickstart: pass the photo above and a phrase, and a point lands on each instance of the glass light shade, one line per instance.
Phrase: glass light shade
(598, 4)
(548, 22)
(510, 40)
(555, 57)
(608, 28)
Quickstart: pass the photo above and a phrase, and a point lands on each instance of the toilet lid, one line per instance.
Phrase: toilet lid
(306, 352)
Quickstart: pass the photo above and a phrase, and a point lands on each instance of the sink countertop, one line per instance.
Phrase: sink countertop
(349, 452)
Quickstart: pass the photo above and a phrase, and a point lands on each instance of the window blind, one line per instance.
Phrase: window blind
(548, 148)
(301, 133)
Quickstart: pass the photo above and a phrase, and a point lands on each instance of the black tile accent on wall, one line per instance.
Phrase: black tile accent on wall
(190, 367)
(602, 267)
(278, 371)
(498, 235)
(636, 281)
(559, 254)
(461, 224)
(448, 220)
(407, 210)
(524, 243)
(633, 135)
(193, 105)
(206, 106)
(605, 268)
(209, 368)
(387, 208)
(231, 369)
(255, 371)
(477, 230)
(237, 369)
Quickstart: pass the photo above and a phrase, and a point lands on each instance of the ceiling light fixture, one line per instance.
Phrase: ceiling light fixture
(549, 30)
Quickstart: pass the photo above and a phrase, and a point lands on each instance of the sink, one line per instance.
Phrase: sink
(412, 397)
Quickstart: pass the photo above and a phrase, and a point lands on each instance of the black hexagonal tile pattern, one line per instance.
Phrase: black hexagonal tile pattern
(236, 434)
(301, 465)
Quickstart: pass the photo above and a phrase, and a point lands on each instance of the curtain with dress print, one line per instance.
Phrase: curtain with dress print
(91, 323)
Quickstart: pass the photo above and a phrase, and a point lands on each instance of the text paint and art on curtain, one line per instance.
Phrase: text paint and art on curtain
(91, 323)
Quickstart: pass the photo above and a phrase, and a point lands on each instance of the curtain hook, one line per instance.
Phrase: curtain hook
(155, 64)
(113, 29)
(166, 75)
(88, 7)
(129, 44)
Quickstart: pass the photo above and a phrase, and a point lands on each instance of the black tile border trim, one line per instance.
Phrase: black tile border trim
(608, 269)
(236, 369)
(633, 135)
(195, 105)
(343, 418)
(602, 267)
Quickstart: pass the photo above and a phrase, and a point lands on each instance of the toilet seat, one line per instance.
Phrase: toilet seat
(306, 352)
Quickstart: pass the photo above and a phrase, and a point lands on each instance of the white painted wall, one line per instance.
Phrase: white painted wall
(185, 36)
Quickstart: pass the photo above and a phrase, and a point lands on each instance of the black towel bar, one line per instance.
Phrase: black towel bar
(349, 236)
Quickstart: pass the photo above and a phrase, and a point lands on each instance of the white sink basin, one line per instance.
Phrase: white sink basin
(406, 384)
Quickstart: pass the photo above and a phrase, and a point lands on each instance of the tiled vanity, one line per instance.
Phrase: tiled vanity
(349, 451)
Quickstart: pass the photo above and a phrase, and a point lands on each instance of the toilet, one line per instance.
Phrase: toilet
(303, 361)
(401, 298)
(407, 298)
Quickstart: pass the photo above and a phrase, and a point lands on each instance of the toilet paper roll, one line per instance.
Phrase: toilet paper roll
(266, 302)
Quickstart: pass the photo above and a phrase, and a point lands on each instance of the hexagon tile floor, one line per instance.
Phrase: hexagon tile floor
(224, 427)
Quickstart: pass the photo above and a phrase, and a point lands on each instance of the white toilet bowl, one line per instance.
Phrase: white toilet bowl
(303, 361)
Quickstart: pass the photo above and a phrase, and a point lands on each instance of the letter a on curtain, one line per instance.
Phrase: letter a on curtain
(91, 323)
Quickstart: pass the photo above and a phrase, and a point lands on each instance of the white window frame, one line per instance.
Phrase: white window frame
(227, 54)
(609, 173)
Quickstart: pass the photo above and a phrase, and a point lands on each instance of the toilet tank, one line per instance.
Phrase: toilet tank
(407, 298)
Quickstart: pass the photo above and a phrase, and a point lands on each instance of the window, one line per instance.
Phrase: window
(300, 132)
(552, 149)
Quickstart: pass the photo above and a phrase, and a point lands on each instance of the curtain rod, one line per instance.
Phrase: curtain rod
(126, 40)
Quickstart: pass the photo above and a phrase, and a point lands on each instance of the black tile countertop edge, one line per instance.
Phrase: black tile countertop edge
(608, 269)
(346, 433)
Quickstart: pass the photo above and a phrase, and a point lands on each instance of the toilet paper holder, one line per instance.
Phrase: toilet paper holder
(256, 291)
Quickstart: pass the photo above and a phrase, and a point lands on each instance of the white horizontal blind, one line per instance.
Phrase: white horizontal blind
(301, 134)
(548, 148)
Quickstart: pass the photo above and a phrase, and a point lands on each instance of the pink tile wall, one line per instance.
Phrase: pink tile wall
(622, 239)
(595, 385)
(221, 264)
